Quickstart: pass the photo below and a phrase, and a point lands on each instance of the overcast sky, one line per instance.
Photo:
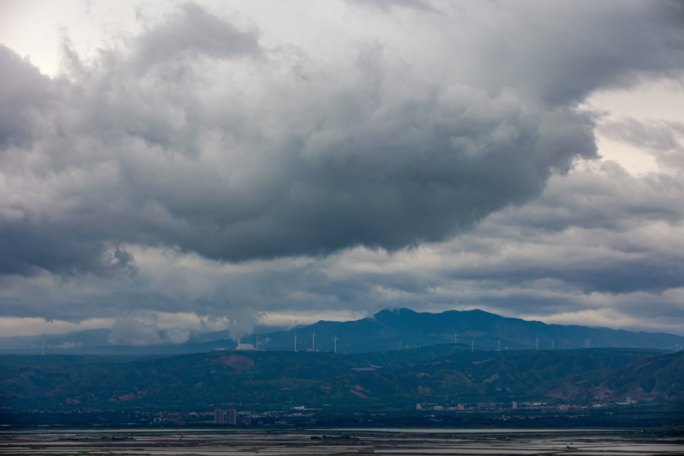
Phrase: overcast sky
(184, 164)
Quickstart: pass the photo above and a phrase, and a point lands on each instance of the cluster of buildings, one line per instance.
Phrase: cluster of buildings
(226, 417)
(515, 405)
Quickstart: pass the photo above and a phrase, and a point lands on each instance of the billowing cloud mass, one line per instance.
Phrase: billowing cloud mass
(391, 154)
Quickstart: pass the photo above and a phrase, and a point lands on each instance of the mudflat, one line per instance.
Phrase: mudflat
(210, 442)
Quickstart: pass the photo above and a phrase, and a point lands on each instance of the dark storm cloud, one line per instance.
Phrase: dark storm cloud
(22, 98)
(562, 51)
(294, 153)
(600, 267)
(192, 32)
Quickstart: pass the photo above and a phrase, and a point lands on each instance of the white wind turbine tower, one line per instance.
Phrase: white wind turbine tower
(335, 344)
(295, 342)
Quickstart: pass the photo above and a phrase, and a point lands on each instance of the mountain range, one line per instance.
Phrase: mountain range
(389, 363)
(389, 381)
(393, 329)
(389, 329)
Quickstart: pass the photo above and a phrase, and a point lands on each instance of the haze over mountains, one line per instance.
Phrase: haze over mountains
(389, 329)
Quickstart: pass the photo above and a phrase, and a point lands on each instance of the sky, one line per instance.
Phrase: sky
(192, 166)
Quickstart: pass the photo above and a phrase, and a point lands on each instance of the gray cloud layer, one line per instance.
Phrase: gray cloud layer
(202, 136)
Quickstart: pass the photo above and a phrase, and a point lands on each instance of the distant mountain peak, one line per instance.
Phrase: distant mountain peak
(405, 312)
(397, 328)
(402, 311)
(478, 311)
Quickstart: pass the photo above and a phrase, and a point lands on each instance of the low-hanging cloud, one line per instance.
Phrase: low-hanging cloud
(200, 137)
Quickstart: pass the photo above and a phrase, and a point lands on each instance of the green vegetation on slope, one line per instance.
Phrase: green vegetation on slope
(446, 374)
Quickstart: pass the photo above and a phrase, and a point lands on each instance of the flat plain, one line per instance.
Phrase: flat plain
(212, 442)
